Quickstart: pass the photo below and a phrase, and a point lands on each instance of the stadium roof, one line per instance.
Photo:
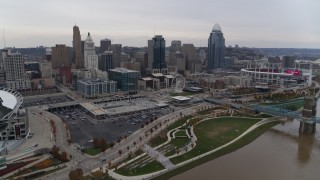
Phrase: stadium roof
(8, 99)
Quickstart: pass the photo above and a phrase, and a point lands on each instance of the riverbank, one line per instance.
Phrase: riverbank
(248, 138)
(216, 136)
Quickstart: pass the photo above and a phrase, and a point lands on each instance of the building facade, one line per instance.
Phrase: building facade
(16, 77)
(156, 55)
(216, 46)
(105, 61)
(127, 80)
(93, 87)
(189, 53)
(90, 57)
(77, 54)
(105, 45)
(60, 56)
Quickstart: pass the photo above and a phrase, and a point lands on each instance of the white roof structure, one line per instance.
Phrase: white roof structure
(216, 27)
(157, 74)
(181, 98)
(147, 79)
(9, 100)
(12, 100)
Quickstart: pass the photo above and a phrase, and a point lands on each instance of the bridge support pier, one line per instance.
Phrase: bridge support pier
(307, 127)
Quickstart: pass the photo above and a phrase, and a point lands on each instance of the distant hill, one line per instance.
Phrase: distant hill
(298, 52)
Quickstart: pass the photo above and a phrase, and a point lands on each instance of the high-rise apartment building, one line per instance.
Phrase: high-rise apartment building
(105, 61)
(156, 55)
(105, 45)
(60, 56)
(90, 57)
(77, 54)
(216, 46)
(16, 77)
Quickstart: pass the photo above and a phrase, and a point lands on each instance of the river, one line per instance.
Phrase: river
(279, 154)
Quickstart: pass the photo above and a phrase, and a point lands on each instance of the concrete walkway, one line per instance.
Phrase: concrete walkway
(158, 156)
(158, 173)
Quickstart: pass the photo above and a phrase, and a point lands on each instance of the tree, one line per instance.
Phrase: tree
(55, 151)
(96, 143)
(120, 152)
(103, 144)
(64, 157)
(76, 174)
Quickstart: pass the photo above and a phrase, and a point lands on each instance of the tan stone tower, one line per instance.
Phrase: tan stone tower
(77, 55)
(308, 111)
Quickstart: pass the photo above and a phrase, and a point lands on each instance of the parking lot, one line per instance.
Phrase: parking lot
(45, 101)
(85, 128)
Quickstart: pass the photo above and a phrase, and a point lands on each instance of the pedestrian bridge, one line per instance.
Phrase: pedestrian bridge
(276, 111)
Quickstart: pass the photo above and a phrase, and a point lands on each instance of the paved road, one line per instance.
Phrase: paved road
(112, 154)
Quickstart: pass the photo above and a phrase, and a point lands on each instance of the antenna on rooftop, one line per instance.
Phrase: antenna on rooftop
(154, 30)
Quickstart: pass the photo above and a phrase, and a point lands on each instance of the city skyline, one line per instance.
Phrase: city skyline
(284, 24)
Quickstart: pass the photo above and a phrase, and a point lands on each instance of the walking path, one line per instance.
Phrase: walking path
(158, 156)
(158, 173)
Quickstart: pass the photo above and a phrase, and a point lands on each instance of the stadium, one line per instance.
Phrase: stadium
(13, 120)
(272, 75)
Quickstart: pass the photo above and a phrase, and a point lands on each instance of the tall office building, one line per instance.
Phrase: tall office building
(216, 46)
(175, 46)
(60, 56)
(288, 62)
(189, 53)
(156, 55)
(116, 50)
(77, 55)
(16, 77)
(105, 45)
(105, 61)
(127, 80)
(90, 57)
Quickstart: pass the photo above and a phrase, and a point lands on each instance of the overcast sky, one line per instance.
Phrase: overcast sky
(251, 23)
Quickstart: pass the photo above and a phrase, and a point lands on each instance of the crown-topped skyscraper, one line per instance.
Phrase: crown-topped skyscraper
(216, 46)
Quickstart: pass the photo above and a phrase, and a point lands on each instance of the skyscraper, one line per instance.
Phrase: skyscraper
(105, 61)
(77, 56)
(105, 45)
(216, 46)
(61, 56)
(90, 57)
(16, 77)
(189, 53)
(156, 55)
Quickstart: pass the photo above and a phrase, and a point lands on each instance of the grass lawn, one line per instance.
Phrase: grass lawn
(92, 151)
(179, 142)
(179, 122)
(214, 133)
(157, 140)
(240, 143)
(151, 167)
(181, 133)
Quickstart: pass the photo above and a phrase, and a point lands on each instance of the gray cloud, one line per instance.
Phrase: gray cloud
(253, 23)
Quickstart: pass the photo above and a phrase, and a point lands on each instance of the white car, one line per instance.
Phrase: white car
(90, 141)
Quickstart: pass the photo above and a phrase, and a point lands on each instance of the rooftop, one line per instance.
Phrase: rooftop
(122, 70)
(216, 27)
(8, 99)
(95, 80)
(181, 98)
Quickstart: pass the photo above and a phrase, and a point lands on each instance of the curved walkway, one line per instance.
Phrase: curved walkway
(158, 173)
